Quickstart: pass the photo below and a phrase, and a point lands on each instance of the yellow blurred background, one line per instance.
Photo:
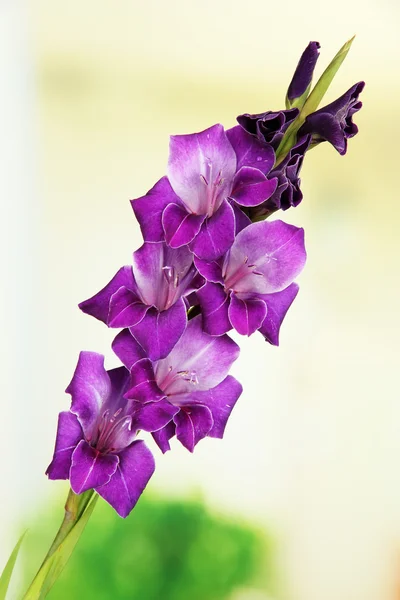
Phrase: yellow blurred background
(90, 92)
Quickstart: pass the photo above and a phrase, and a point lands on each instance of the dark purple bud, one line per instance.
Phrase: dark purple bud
(269, 126)
(288, 192)
(302, 77)
(334, 123)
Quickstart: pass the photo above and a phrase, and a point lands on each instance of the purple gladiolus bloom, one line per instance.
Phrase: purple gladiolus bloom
(96, 445)
(210, 175)
(334, 123)
(149, 298)
(268, 127)
(302, 77)
(193, 378)
(288, 192)
(262, 263)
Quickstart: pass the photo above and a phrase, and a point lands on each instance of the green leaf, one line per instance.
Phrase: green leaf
(54, 564)
(312, 102)
(8, 569)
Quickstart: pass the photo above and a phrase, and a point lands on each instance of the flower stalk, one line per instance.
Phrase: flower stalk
(78, 509)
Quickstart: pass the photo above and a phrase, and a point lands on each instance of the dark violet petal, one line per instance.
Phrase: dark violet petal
(90, 388)
(247, 315)
(155, 415)
(125, 309)
(69, 434)
(148, 209)
(98, 305)
(250, 152)
(251, 187)
(304, 71)
(143, 386)
(216, 234)
(334, 122)
(241, 219)
(214, 303)
(277, 304)
(211, 270)
(136, 466)
(193, 423)
(220, 400)
(127, 348)
(163, 436)
(159, 331)
(269, 126)
(198, 361)
(90, 469)
(180, 227)
(198, 158)
(324, 127)
(274, 254)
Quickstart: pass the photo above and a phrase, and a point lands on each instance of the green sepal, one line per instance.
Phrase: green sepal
(9, 568)
(312, 102)
(297, 102)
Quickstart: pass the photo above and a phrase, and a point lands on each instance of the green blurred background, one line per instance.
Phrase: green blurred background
(90, 93)
(169, 549)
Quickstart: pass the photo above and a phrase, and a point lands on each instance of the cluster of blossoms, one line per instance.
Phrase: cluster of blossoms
(209, 263)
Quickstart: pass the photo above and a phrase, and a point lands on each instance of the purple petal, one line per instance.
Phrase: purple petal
(90, 387)
(278, 304)
(159, 331)
(119, 378)
(211, 270)
(251, 187)
(269, 126)
(136, 466)
(180, 227)
(155, 415)
(143, 386)
(326, 127)
(125, 309)
(90, 469)
(163, 436)
(198, 360)
(334, 122)
(196, 162)
(163, 274)
(193, 423)
(98, 305)
(247, 315)
(241, 219)
(148, 209)
(220, 400)
(214, 302)
(69, 434)
(304, 71)
(250, 152)
(127, 348)
(216, 234)
(274, 254)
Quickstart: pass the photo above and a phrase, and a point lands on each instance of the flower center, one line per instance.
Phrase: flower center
(170, 291)
(231, 278)
(212, 197)
(109, 430)
(172, 376)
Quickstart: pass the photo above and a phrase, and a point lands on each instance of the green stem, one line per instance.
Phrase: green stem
(61, 549)
(74, 508)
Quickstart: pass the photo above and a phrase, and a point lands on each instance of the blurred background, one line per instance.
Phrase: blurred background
(90, 92)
